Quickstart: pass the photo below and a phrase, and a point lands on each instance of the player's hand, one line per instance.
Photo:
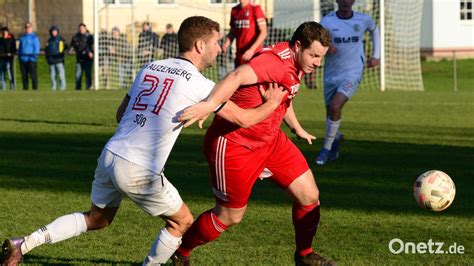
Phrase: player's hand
(273, 94)
(373, 62)
(247, 55)
(332, 49)
(302, 134)
(91, 55)
(195, 113)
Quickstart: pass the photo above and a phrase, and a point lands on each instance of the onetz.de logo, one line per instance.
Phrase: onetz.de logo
(398, 246)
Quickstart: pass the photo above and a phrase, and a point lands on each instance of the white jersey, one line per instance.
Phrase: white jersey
(347, 36)
(149, 127)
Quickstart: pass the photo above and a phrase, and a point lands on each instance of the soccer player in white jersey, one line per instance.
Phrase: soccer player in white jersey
(343, 68)
(131, 164)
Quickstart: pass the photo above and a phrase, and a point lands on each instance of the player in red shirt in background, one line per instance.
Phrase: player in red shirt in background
(238, 156)
(249, 28)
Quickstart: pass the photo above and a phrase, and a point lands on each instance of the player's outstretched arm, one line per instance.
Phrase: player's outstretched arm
(292, 122)
(245, 118)
(122, 107)
(375, 59)
(243, 75)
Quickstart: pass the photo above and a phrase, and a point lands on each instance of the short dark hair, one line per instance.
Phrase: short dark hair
(82, 24)
(311, 31)
(194, 28)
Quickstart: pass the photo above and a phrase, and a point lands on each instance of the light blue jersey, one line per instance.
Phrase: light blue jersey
(343, 69)
(347, 36)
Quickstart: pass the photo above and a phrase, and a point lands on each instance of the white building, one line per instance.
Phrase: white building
(447, 27)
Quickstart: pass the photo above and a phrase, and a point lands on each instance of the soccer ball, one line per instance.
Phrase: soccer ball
(434, 190)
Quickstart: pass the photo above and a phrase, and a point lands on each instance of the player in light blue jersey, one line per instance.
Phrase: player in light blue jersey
(343, 68)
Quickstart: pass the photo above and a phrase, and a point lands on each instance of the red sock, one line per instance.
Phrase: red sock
(206, 228)
(305, 221)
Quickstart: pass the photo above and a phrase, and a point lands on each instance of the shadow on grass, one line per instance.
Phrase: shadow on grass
(55, 122)
(369, 176)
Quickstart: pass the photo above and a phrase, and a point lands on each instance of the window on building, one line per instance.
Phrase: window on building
(117, 2)
(466, 9)
(166, 1)
(223, 1)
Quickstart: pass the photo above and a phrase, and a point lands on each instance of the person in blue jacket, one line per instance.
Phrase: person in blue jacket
(28, 55)
(55, 48)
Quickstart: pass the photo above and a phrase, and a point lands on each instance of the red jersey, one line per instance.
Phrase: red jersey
(244, 22)
(271, 64)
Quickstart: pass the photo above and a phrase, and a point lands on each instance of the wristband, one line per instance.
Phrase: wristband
(219, 107)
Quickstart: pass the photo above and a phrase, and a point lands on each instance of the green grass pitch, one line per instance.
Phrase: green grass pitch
(49, 143)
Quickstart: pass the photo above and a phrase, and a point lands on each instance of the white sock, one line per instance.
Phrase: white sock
(332, 128)
(163, 248)
(62, 228)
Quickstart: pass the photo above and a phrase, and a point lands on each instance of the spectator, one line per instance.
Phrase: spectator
(119, 52)
(147, 45)
(28, 55)
(169, 42)
(82, 42)
(54, 51)
(7, 51)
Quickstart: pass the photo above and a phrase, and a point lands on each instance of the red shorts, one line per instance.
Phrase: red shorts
(235, 168)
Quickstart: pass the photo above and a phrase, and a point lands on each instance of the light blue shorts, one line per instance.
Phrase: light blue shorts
(348, 87)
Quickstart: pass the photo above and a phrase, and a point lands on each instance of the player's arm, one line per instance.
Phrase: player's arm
(243, 75)
(228, 41)
(262, 34)
(245, 118)
(292, 122)
(375, 59)
(122, 107)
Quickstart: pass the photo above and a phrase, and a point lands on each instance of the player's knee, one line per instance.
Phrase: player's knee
(96, 222)
(234, 220)
(230, 218)
(335, 110)
(185, 223)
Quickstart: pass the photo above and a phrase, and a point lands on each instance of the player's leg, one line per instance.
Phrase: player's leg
(291, 172)
(169, 238)
(106, 200)
(208, 227)
(234, 170)
(158, 197)
(60, 229)
(336, 97)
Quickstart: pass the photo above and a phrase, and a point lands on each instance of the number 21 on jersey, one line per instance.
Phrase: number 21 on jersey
(154, 82)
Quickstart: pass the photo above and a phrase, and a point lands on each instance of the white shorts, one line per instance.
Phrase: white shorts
(348, 87)
(116, 177)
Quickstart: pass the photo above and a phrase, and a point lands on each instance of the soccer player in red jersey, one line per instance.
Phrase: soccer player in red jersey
(249, 28)
(238, 156)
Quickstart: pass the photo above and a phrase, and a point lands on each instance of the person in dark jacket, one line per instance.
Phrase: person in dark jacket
(148, 42)
(169, 43)
(55, 48)
(82, 42)
(7, 51)
(28, 55)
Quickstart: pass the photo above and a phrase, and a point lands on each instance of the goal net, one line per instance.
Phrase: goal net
(122, 51)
